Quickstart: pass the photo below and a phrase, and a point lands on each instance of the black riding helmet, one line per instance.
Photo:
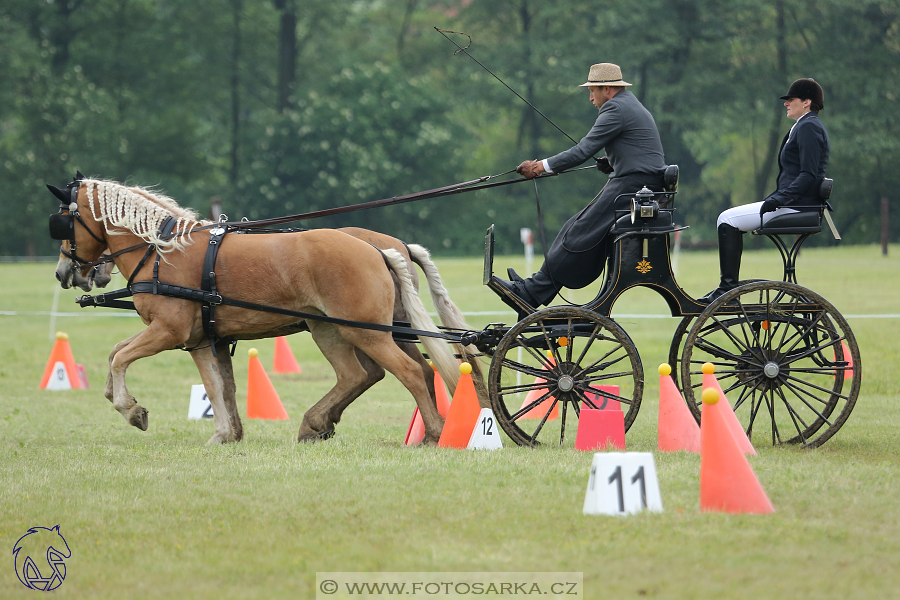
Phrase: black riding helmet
(806, 89)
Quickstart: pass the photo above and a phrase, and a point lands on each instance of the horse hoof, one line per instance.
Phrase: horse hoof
(310, 436)
(138, 417)
(221, 439)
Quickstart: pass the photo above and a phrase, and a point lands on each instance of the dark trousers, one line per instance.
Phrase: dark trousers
(578, 254)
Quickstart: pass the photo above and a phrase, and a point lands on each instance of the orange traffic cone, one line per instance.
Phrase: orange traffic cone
(677, 429)
(284, 361)
(262, 399)
(463, 413)
(540, 410)
(727, 482)
(848, 370)
(740, 436)
(440, 394)
(61, 372)
(416, 432)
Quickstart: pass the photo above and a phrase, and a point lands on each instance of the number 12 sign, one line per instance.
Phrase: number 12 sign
(622, 483)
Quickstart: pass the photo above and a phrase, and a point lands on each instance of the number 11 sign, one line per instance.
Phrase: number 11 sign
(622, 483)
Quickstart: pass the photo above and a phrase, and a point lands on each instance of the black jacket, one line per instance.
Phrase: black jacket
(801, 163)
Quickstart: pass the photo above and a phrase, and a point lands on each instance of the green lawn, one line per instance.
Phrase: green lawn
(158, 514)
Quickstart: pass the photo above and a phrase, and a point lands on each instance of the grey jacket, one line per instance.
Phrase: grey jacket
(628, 133)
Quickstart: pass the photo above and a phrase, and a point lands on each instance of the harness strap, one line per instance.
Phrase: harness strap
(185, 293)
(208, 284)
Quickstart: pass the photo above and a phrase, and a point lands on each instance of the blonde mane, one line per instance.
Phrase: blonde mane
(141, 212)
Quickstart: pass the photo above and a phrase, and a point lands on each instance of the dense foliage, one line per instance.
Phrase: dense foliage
(283, 106)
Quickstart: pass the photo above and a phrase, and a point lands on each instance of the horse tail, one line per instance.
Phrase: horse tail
(449, 314)
(438, 350)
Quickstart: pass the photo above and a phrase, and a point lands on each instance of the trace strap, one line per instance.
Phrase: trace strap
(110, 299)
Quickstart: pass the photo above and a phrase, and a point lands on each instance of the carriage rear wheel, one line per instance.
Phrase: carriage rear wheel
(553, 363)
(785, 358)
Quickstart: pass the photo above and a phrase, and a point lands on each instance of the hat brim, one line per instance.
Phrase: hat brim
(618, 83)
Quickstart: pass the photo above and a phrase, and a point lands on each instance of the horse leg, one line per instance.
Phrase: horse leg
(153, 340)
(382, 349)
(108, 391)
(352, 380)
(229, 391)
(374, 374)
(215, 390)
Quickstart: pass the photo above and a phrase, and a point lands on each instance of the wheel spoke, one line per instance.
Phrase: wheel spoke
(599, 365)
(794, 416)
(517, 366)
(517, 389)
(562, 425)
(544, 420)
(797, 391)
(589, 343)
(817, 387)
(605, 376)
(722, 353)
(527, 408)
(605, 394)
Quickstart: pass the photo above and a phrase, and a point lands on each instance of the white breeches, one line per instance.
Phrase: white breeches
(746, 216)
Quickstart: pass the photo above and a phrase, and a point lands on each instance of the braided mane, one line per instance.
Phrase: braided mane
(141, 212)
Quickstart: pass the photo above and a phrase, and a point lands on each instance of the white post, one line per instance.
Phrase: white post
(53, 312)
(528, 239)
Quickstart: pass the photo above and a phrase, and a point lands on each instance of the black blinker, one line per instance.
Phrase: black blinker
(62, 227)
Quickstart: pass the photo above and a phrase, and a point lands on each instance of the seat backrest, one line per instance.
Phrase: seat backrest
(825, 189)
(670, 178)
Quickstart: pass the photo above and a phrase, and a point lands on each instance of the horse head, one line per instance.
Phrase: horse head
(82, 239)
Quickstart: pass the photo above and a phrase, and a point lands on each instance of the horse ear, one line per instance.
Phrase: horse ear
(78, 176)
(60, 195)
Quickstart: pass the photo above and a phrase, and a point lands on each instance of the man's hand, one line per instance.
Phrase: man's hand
(530, 168)
(767, 207)
(604, 166)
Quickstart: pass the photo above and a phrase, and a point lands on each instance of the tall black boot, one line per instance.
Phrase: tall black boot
(731, 246)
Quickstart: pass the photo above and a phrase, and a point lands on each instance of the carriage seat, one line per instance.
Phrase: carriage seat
(801, 222)
(793, 223)
(662, 223)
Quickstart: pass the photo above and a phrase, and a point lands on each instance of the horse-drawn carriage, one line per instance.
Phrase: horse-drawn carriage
(785, 356)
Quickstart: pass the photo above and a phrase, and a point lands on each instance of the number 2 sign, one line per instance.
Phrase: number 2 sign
(622, 483)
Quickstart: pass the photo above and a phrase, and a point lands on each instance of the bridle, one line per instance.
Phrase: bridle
(62, 225)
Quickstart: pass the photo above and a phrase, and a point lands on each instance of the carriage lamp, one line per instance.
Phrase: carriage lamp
(643, 205)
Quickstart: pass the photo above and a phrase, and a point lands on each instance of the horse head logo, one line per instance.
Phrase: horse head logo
(40, 558)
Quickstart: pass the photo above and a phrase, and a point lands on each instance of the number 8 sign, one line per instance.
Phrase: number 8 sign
(622, 483)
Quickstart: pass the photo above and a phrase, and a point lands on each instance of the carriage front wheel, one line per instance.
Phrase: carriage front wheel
(553, 363)
(785, 358)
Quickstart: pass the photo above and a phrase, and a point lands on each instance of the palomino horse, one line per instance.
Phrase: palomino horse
(323, 272)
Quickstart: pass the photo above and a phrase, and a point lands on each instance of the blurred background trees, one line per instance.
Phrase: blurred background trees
(284, 106)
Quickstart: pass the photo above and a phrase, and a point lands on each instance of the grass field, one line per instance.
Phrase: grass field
(158, 514)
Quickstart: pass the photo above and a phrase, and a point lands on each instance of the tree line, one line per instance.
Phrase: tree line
(278, 107)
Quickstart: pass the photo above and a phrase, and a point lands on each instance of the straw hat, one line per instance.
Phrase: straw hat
(605, 74)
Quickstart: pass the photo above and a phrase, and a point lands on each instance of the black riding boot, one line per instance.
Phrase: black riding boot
(731, 246)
